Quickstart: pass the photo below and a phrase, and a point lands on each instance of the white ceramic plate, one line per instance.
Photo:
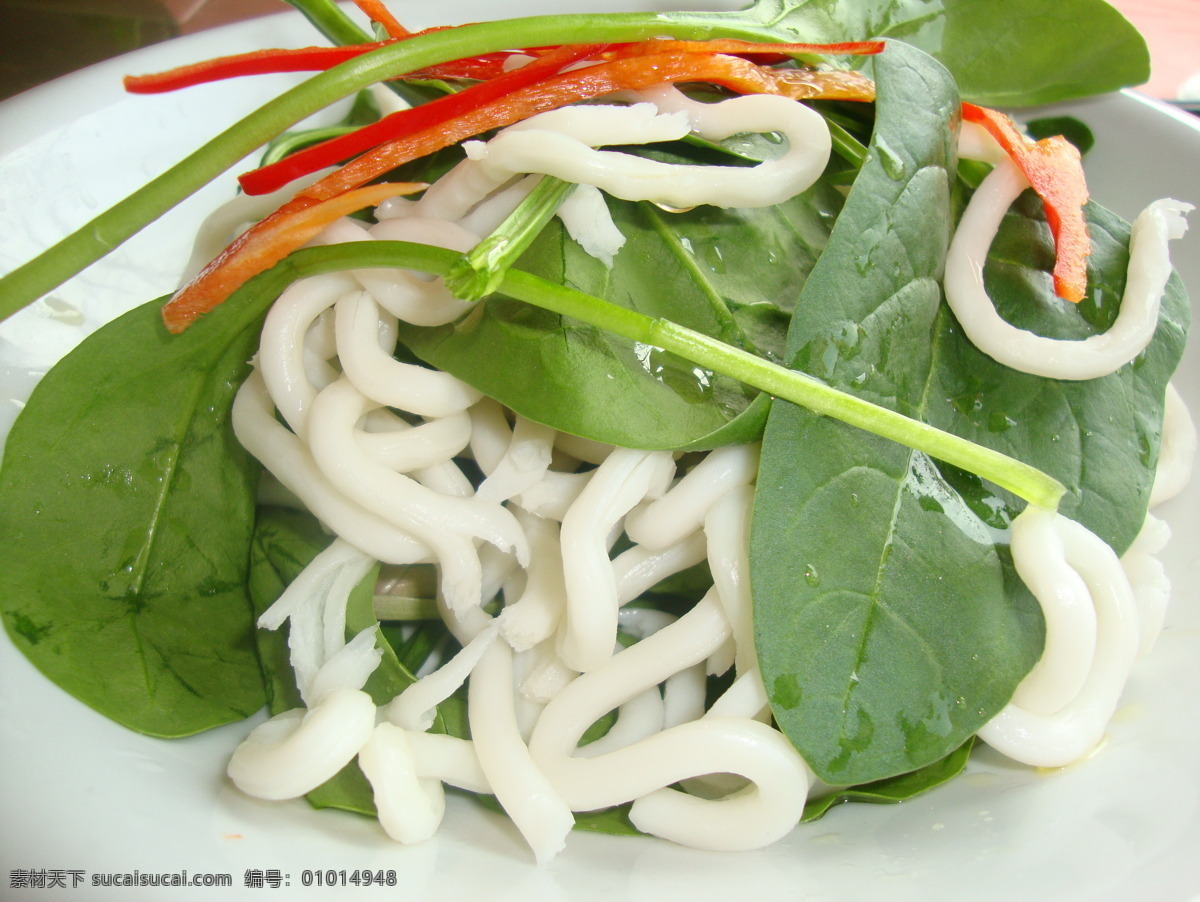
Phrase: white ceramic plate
(80, 794)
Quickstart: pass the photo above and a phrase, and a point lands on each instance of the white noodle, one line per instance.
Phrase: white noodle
(624, 479)
(383, 378)
(1089, 358)
(682, 510)
(289, 461)
(1177, 454)
(533, 616)
(409, 806)
(1074, 730)
(295, 752)
(522, 464)
(281, 356)
(561, 143)
(535, 806)
(1148, 580)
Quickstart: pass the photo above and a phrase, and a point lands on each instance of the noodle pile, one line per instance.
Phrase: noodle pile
(568, 534)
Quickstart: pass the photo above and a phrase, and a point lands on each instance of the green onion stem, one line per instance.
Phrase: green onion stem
(778, 381)
(331, 21)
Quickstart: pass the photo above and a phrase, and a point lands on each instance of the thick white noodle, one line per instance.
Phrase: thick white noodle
(523, 463)
(490, 435)
(1089, 358)
(639, 568)
(1148, 580)
(446, 524)
(383, 378)
(532, 616)
(1177, 453)
(767, 809)
(281, 356)
(682, 510)
(553, 495)
(625, 478)
(412, 449)
(521, 787)
(409, 806)
(562, 143)
(1072, 732)
(1069, 613)
(295, 752)
(289, 461)
(545, 673)
(727, 533)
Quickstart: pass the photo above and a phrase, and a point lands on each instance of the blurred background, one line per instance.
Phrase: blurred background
(42, 39)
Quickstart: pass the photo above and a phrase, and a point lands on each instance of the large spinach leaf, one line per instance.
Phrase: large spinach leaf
(733, 274)
(884, 625)
(1000, 52)
(125, 513)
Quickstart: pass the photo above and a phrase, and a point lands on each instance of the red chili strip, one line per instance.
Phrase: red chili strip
(257, 62)
(1055, 171)
(434, 114)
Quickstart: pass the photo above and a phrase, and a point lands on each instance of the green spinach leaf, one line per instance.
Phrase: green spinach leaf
(125, 513)
(894, 789)
(733, 274)
(884, 623)
(1001, 52)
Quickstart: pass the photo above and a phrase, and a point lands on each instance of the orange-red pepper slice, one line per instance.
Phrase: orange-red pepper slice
(380, 14)
(265, 244)
(1055, 171)
(442, 112)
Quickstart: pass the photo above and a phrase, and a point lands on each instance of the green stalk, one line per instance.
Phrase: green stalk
(1021, 479)
(845, 145)
(112, 228)
(480, 271)
(331, 21)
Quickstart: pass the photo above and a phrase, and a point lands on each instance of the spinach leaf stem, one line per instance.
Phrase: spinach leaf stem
(480, 271)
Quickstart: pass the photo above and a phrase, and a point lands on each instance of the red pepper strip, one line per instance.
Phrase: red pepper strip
(264, 245)
(1054, 169)
(257, 62)
(479, 68)
(211, 287)
(420, 131)
(380, 14)
(438, 113)
(302, 59)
